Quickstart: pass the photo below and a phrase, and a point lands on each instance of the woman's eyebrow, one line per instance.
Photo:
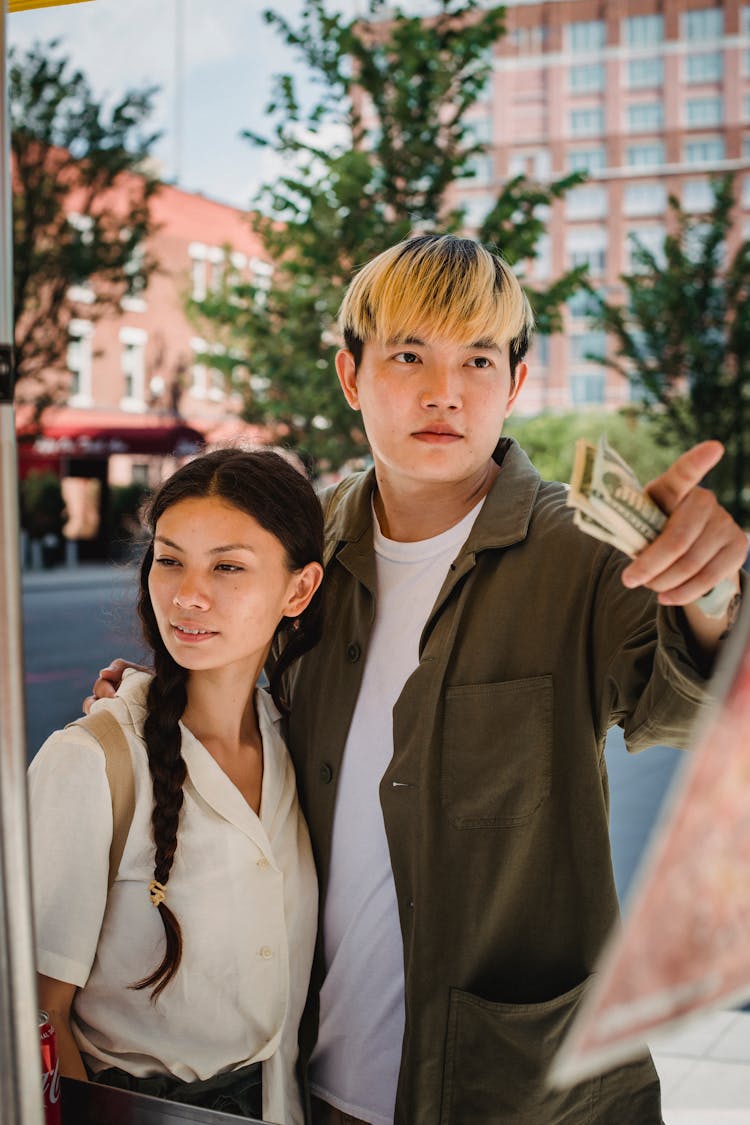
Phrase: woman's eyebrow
(214, 550)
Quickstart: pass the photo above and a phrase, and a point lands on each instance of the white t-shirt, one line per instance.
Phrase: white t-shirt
(242, 886)
(356, 1061)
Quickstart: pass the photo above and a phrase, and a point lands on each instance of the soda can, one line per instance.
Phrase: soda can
(50, 1072)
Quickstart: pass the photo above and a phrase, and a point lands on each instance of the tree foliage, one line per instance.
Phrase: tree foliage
(370, 161)
(682, 337)
(549, 440)
(81, 194)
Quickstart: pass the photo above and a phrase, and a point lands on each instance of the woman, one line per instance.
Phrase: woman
(188, 979)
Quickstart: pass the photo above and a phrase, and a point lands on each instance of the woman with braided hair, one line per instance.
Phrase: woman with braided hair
(187, 978)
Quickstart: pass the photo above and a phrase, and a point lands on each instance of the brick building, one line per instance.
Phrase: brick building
(650, 99)
(141, 394)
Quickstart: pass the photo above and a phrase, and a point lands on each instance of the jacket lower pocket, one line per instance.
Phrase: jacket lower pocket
(497, 1056)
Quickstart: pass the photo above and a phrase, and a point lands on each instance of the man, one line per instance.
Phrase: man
(449, 730)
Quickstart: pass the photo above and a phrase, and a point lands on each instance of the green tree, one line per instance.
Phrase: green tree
(81, 193)
(682, 337)
(372, 160)
(549, 440)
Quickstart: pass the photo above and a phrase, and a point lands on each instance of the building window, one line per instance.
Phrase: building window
(586, 344)
(746, 192)
(542, 258)
(704, 111)
(644, 73)
(745, 24)
(643, 31)
(198, 271)
(79, 362)
(587, 389)
(586, 202)
(644, 199)
(476, 208)
(586, 122)
(132, 363)
(588, 248)
(647, 155)
(706, 151)
(650, 239)
(586, 35)
(703, 24)
(697, 195)
(587, 159)
(529, 40)
(706, 67)
(645, 117)
(586, 77)
(583, 304)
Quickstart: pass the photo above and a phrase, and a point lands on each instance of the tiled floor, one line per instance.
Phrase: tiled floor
(705, 1071)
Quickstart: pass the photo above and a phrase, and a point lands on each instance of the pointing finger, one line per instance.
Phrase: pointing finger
(669, 489)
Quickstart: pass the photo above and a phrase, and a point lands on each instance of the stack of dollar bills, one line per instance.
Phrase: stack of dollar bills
(611, 505)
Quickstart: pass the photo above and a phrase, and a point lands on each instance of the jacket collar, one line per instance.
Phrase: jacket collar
(503, 520)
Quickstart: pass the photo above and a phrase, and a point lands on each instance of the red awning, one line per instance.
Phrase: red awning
(66, 432)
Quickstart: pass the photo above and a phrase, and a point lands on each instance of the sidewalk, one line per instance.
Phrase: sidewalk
(705, 1071)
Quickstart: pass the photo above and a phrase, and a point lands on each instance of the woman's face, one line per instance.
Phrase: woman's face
(220, 584)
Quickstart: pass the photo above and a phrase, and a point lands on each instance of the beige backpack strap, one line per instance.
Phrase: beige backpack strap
(119, 767)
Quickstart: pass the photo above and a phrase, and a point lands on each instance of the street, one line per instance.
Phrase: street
(72, 627)
(76, 622)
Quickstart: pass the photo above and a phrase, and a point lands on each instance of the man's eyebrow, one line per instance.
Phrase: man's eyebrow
(393, 340)
(486, 345)
(214, 550)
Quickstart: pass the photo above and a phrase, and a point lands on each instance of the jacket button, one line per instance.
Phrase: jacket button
(326, 773)
(353, 652)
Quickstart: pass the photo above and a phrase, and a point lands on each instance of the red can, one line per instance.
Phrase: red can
(50, 1072)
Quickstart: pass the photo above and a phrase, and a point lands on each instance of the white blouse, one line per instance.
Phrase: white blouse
(242, 886)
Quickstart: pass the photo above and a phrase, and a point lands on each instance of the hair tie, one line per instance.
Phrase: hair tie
(157, 893)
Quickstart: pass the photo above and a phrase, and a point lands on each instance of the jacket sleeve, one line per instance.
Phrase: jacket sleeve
(649, 677)
(70, 816)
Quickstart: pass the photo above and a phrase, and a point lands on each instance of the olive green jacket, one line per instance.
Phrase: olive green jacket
(495, 802)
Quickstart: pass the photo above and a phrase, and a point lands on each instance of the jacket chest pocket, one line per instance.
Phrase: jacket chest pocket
(497, 752)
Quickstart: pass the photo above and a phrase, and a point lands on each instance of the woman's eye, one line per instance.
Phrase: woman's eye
(229, 568)
(163, 561)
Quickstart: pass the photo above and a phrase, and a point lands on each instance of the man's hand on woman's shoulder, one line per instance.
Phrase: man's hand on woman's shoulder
(109, 680)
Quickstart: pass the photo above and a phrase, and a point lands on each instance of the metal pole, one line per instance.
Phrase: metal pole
(20, 1062)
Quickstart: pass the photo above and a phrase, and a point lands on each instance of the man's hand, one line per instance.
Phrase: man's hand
(110, 678)
(699, 545)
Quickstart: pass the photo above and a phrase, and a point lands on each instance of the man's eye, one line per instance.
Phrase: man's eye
(480, 361)
(407, 357)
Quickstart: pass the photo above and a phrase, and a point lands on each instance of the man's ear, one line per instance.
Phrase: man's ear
(519, 378)
(346, 369)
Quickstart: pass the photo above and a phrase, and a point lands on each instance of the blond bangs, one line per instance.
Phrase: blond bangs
(403, 291)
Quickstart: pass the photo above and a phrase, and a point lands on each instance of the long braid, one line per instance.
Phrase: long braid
(165, 704)
(267, 488)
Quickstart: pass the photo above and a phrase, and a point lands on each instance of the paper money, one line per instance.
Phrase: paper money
(611, 505)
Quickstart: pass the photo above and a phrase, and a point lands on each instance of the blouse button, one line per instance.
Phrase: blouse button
(326, 773)
(353, 652)
(266, 952)
(262, 862)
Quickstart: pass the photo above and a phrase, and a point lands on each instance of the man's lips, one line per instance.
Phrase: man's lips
(437, 434)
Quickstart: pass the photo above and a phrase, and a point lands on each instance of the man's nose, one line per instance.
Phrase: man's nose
(442, 388)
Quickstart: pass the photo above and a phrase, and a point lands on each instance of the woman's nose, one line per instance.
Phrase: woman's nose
(190, 593)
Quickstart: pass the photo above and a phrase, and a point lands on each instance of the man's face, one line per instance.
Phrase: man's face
(432, 409)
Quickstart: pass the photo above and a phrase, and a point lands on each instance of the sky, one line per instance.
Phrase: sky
(230, 57)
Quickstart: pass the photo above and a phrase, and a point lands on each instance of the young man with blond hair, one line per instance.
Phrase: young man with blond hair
(449, 730)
